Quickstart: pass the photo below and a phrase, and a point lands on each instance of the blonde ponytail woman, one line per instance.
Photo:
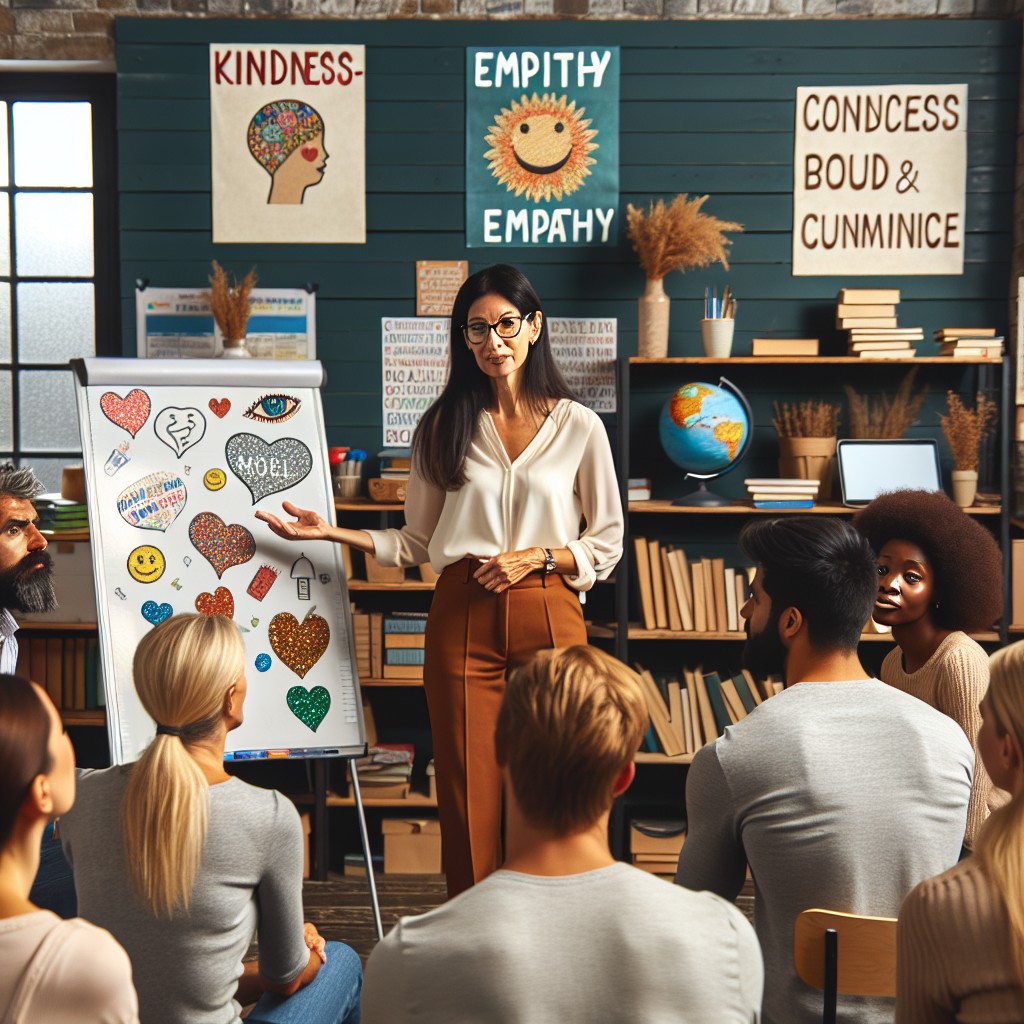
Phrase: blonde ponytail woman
(183, 863)
(961, 934)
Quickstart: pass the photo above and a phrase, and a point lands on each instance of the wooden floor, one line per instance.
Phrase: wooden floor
(340, 907)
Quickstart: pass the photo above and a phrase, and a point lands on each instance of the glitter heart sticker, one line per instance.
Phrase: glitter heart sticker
(156, 613)
(130, 413)
(310, 707)
(220, 602)
(220, 407)
(299, 645)
(267, 468)
(221, 545)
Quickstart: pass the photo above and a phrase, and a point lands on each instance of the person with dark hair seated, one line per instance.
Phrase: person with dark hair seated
(940, 576)
(840, 792)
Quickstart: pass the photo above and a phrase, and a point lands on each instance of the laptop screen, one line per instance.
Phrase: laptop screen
(868, 468)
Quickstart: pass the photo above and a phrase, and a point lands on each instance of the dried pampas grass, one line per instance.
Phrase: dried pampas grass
(964, 428)
(806, 419)
(229, 301)
(885, 417)
(677, 237)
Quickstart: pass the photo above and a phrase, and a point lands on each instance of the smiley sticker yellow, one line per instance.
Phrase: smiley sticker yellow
(214, 479)
(146, 564)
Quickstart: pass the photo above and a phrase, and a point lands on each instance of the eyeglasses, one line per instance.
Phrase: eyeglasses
(507, 328)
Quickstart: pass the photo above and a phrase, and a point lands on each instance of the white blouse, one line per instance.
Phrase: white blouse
(564, 473)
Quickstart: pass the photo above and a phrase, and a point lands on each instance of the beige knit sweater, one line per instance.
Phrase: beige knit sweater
(954, 962)
(953, 680)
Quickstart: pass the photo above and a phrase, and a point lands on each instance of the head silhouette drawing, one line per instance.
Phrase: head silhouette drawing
(286, 138)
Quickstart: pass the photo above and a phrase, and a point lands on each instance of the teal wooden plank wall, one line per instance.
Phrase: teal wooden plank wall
(706, 107)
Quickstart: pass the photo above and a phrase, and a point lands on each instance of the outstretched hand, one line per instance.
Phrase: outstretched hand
(308, 525)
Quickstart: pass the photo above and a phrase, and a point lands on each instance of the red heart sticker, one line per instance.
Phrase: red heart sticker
(309, 153)
(220, 407)
(130, 412)
(220, 602)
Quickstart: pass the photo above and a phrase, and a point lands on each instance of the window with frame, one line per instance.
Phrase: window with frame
(58, 258)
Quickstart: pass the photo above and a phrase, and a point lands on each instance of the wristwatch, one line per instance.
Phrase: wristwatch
(550, 565)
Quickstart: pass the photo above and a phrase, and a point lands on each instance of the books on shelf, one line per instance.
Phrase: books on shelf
(785, 347)
(395, 463)
(969, 342)
(869, 317)
(868, 296)
(786, 492)
(845, 309)
(846, 322)
(67, 667)
(59, 515)
(638, 489)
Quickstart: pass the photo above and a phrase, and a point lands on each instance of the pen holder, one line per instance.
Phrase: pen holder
(347, 484)
(717, 337)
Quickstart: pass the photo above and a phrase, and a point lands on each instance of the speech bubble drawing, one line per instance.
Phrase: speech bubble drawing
(267, 468)
(154, 501)
(179, 429)
(130, 413)
(221, 545)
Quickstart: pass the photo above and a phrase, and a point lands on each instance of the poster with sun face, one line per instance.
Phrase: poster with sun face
(288, 141)
(542, 146)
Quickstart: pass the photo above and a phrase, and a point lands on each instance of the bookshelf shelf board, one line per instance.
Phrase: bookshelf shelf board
(643, 757)
(795, 360)
(367, 505)
(31, 626)
(96, 717)
(663, 507)
(374, 681)
(1018, 523)
(638, 633)
(419, 800)
(1015, 630)
(404, 585)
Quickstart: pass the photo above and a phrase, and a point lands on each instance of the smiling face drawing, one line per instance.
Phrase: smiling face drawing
(146, 564)
(286, 138)
(541, 147)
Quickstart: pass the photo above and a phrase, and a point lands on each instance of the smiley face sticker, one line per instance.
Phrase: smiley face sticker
(146, 564)
(214, 479)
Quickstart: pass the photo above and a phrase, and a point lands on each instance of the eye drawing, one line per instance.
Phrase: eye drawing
(273, 408)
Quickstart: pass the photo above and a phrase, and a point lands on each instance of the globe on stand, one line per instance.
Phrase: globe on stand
(706, 430)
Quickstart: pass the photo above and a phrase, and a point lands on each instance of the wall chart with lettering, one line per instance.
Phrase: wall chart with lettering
(179, 454)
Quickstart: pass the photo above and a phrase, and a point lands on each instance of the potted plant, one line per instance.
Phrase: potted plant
(229, 301)
(807, 441)
(667, 238)
(964, 429)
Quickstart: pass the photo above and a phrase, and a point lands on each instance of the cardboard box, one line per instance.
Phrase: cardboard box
(663, 839)
(412, 846)
(377, 573)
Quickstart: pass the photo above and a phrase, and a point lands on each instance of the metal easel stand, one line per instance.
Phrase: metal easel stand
(368, 859)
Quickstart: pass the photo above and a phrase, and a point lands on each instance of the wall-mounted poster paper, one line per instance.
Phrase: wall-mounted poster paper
(287, 134)
(202, 445)
(415, 366)
(542, 146)
(175, 324)
(879, 180)
(437, 283)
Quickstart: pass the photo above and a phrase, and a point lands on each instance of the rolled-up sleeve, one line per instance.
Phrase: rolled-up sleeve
(408, 546)
(599, 549)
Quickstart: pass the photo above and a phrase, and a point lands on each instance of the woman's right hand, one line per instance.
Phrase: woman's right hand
(308, 525)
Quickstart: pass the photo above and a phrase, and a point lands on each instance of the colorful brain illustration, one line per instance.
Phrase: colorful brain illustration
(279, 128)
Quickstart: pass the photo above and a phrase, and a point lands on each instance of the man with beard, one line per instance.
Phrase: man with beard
(840, 792)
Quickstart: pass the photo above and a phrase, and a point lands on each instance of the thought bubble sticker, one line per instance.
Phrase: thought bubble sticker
(154, 501)
(179, 429)
(267, 468)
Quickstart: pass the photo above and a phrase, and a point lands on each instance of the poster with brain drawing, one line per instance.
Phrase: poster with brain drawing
(287, 142)
(179, 454)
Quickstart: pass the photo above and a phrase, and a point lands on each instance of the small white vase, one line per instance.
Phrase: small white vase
(652, 341)
(234, 350)
(965, 486)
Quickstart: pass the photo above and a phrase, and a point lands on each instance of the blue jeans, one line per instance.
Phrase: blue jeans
(331, 998)
(54, 885)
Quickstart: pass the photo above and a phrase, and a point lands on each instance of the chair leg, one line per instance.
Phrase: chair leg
(831, 975)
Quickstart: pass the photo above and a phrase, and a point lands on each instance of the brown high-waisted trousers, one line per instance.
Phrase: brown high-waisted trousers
(473, 638)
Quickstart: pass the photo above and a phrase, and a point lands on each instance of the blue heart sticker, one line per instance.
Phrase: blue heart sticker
(156, 613)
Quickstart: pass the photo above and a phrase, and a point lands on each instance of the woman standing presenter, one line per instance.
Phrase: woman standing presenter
(505, 466)
(940, 576)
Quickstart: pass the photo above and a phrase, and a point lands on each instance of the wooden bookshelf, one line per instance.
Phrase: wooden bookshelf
(637, 632)
(643, 757)
(661, 507)
(414, 799)
(805, 360)
(404, 585)
(93, 718)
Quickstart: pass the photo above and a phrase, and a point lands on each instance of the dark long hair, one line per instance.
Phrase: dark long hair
(446, 428)
(24, 747)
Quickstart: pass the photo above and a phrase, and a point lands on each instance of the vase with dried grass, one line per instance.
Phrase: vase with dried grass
(807, 441)
(229, 302)
(964, 430)
(667, 238)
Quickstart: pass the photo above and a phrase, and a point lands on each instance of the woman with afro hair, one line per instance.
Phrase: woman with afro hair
(939, 577)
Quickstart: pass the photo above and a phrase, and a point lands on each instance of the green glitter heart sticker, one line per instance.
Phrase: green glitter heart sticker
(310, 707)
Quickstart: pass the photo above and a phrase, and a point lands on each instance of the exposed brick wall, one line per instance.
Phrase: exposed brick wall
(83, 29)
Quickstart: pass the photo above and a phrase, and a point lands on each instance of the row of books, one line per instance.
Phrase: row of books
(698, 596)
(395, 463)
(59, 515)
(782, 492)
(389, 645)
(969, 342)
(67, 667)
(689, 712)
(868, 315)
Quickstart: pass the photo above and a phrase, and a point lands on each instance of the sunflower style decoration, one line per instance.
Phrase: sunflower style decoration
(541, 147)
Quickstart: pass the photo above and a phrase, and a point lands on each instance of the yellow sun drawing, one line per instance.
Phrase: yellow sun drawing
(541, 147)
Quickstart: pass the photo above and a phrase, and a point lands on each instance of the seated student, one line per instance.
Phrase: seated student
(840, 792)
(563, 932)
(60, 972)
(183, 863)
(960, 938)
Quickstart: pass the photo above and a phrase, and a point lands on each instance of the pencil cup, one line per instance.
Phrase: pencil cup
(717, 337)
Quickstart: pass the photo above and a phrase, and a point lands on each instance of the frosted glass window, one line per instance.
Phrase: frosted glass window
(6, 431)
(56, 322)
(50, 471)
(53, 144)
(53, 235)
(5, 322)
(46, 411)
(4, 170)
(5, 235)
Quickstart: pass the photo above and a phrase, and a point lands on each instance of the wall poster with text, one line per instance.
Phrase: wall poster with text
(288, 142)
(542, 146)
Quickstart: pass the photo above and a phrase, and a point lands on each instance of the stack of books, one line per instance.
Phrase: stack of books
(404, 634)
(638, 488)
(784, 492)
(361, 636)
(58, 516)
(784, 347)
(395, 463)
(385, 771)
(68, 668)
(868, 315)
(969, 342)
